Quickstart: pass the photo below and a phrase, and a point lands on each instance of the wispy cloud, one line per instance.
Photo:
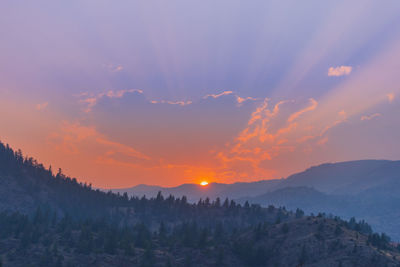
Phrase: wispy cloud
(118, 68)
(73, 138)
(313, 105)
(218, 95)
(390, 97)
(239, 99)
(180, 103)
(370, 117)
(339, 71)
(323, 141)
(113, 67)
(91, 99)
(42, 106)
(275, 132)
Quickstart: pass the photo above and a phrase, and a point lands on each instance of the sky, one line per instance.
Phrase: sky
(120, 93)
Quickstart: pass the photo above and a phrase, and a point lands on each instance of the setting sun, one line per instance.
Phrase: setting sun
(204, 183)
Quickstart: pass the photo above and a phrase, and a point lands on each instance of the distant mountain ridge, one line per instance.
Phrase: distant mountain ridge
(194, 191)
(366, 189)
(350, 177)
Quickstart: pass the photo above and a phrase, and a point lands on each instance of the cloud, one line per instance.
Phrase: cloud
(181, 103)
(370, 117)
(218, 95)
(118, 68)
(42, 106)
(339, 71)
(332, 125)
(390, 97)
(277, 134)
(113, 68)
(342, 113)
(90, 100)
(270, 131)
(74, 138)
(313, 105)
(323, 141)
(239, 99)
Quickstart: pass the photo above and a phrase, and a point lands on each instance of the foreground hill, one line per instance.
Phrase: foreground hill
(52, 220)
(304, 241)
(381, 210)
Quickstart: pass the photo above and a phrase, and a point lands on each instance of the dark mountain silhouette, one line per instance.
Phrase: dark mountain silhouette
(53, 220)
(294, 197)
(347, 178)
(212, 191)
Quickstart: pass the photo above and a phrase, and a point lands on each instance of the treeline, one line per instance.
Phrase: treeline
(48, 239)
(51, 241)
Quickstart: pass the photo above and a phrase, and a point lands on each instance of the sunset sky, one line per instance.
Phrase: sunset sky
(120, 93)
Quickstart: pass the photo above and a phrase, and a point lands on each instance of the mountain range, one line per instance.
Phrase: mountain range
(365, 189)
(213, 190)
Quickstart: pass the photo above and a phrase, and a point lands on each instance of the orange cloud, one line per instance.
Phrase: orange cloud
(312, 106)
(390, 97)
(118, 68)
(274, 133)
(73, 137)
(261, 140)
(305, 138)
(323, 141)
(42, 106)
(330, 126)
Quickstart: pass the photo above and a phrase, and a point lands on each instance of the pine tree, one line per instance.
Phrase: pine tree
(148, 257)
(303, 256)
